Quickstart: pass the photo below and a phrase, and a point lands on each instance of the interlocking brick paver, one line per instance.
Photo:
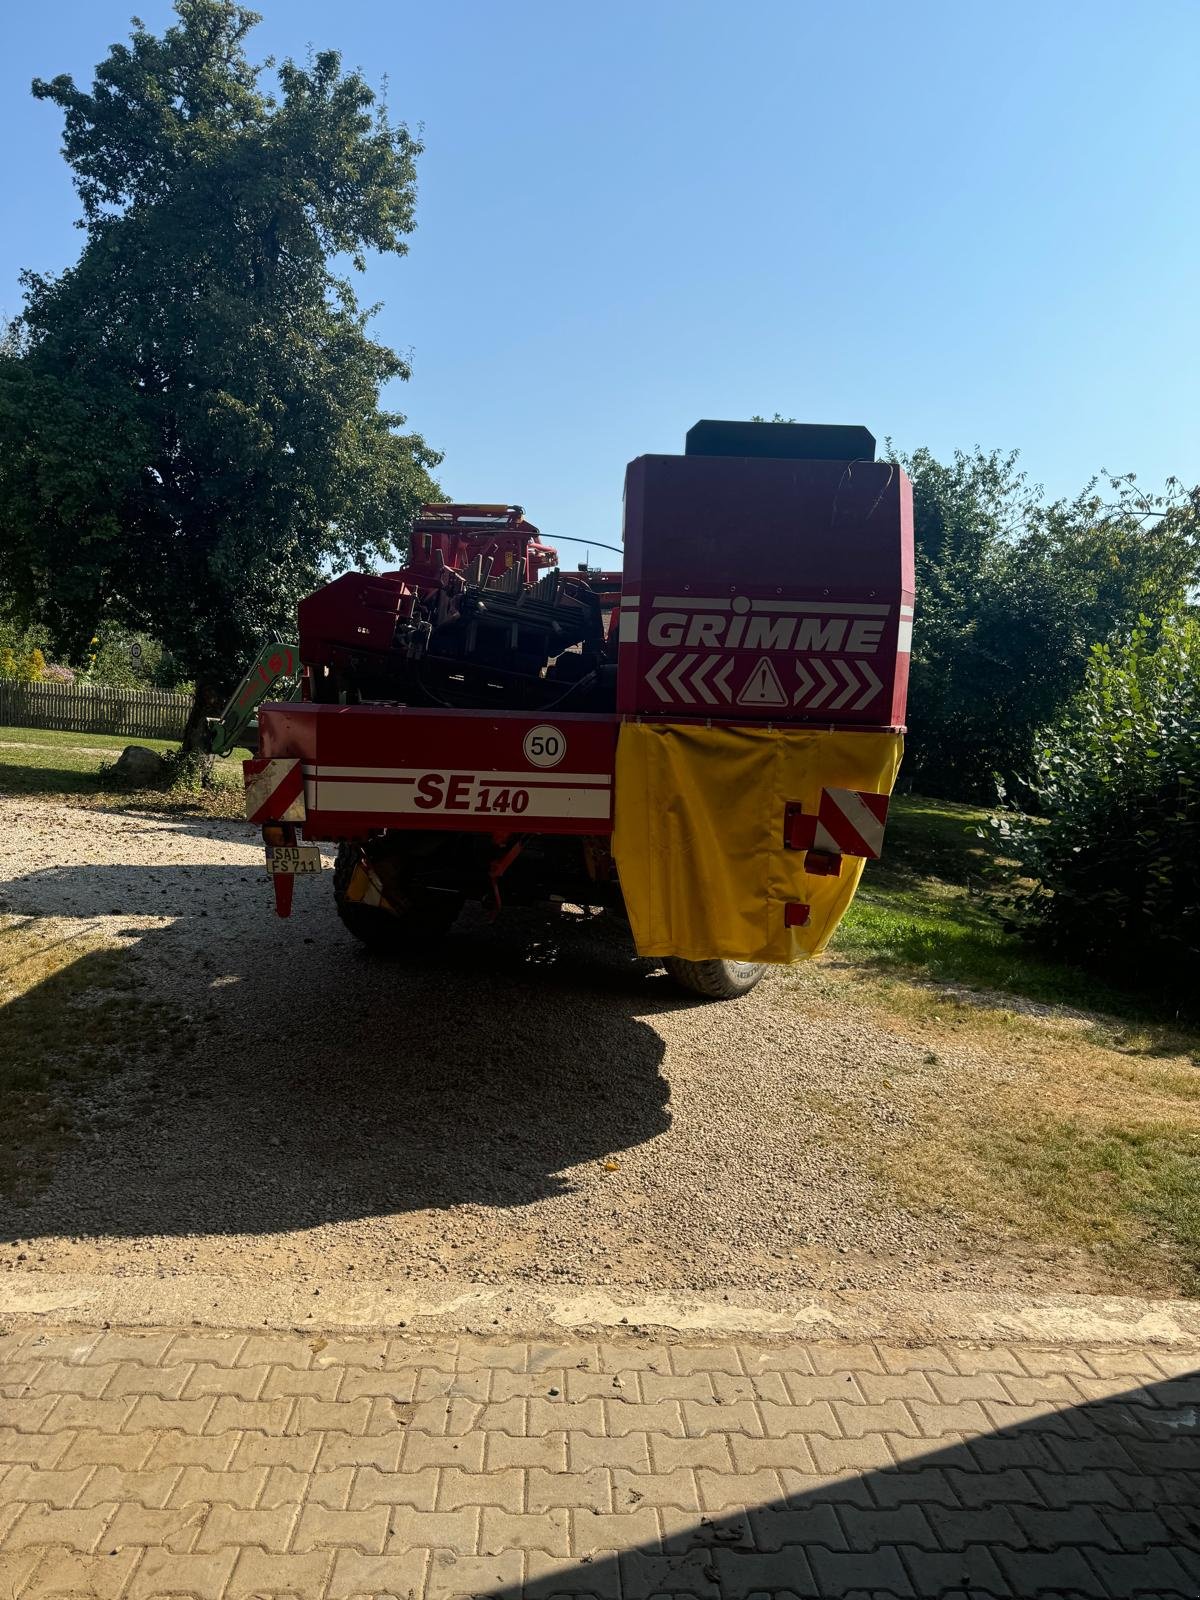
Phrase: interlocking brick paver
(40, 1525)
(344, 1450)
(235, 1487)
(161, 1573)
(712, 1450)
(503, 1450)
(146, 1348)
(658, 1386)
(952, 1388)
(456, 1531)
(319, 1528)
(781, 1572)
(173, 1449)
(28, 1413)
(678, 1488)
(243, 1383)
(130, 1377)
(373, 1487)
(260, 1572)
(67, 1573)
(151, 1487)
(890, 1416)
(457, 1488)
(863, 1455)
(149, 1414)
(466, 1451)
(630, 1451)
(617, 1530)
(72, 1377)
(706, 1358)
(237, 1465)
(547, 1575)
(221, 1349)
(285, 1485)
(941, 1572)
(664, 1416)
(811, 1521)
(356, 1575)
(172, 1528)
(525, 1530)
(16, 1566)
(838, 1572)
(744, 1416)
(58, 1488)
(546, 1491)
(450, 1576)
(37, 1449)
(729, 1490)
(322, 1384)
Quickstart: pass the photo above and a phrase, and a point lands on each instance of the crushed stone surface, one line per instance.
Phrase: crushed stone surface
(529, 1102)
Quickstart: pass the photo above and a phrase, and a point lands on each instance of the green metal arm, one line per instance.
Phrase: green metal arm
(276, 661)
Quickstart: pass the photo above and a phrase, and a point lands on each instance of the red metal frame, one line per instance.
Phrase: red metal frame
(372, 767)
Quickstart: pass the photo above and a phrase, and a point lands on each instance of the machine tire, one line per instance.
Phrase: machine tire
(715, 980)
(424, 921)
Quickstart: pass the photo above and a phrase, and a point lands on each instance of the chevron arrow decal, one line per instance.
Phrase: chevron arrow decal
(840, 683)
(806, 683)
(828, 683)
(851, 685)
(873, 687)
(675, 676)
(653, 675)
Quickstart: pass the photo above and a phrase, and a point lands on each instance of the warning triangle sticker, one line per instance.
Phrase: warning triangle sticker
(762, 687)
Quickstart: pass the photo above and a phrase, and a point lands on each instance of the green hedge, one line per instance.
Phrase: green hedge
(1116, 850)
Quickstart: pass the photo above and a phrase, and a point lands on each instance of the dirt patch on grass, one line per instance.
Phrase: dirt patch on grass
(1057, 1129)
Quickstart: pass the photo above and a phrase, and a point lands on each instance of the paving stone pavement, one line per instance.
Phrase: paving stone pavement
(220, 1465)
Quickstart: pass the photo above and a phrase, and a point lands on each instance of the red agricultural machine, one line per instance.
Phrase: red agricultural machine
(704, 742)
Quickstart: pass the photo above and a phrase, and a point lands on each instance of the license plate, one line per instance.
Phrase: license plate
(293, 858)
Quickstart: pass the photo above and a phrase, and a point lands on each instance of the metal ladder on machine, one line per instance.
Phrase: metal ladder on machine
(276, 662)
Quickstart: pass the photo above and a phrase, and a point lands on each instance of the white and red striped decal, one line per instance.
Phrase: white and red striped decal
(850, 822)
(420, 791)
(274, 789)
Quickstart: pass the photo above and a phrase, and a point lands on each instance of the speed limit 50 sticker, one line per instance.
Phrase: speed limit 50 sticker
(545, 746)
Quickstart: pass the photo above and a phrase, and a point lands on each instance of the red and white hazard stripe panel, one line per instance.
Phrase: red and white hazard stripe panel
(848, 822)
(274, 789)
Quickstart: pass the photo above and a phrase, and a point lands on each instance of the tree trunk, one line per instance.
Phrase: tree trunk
(205, 703)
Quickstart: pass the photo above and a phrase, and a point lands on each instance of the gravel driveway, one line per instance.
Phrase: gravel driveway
(531, 1103)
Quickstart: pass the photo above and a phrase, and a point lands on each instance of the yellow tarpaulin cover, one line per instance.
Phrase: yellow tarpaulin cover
(698, 834)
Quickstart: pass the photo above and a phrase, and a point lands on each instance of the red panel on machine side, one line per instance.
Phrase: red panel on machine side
(763, 590)
(371, 767)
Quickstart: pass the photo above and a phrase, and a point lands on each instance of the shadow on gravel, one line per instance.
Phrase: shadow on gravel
(286, 1079)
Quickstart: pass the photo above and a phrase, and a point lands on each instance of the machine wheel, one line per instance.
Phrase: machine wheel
(716, 980)
(427, 917)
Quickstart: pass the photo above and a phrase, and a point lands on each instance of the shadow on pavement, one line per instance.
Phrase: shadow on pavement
(1096, 1500)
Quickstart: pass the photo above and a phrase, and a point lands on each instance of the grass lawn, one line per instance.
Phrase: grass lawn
(1044, 1105)
(67, 766)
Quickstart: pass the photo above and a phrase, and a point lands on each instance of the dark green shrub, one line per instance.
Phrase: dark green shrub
(1116, 850)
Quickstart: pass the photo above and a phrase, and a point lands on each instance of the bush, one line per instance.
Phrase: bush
(1117, 852)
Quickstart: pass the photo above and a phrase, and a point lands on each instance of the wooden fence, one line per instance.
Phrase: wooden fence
(90, 708)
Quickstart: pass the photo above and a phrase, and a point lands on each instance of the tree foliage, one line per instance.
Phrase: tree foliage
(190, 426)
(1013, 593)
(1116, 849)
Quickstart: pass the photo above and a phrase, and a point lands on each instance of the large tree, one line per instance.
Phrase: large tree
(1013, 593)
(190, 419)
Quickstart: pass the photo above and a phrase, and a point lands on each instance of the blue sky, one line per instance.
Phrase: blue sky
(955, 223)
